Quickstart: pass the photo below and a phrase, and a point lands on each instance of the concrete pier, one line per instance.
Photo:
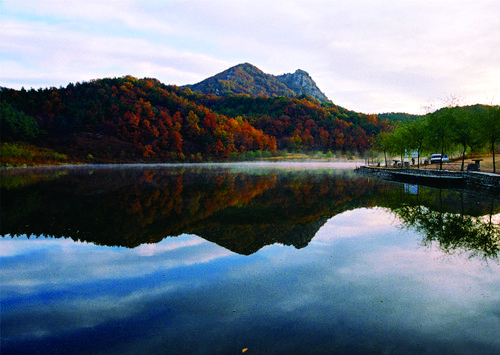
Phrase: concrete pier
(472, 180)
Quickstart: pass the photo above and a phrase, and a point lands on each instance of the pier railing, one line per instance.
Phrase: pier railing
(449, 166)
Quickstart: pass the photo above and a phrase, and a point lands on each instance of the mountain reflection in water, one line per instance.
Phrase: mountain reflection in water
(190, 260)
(239, 207)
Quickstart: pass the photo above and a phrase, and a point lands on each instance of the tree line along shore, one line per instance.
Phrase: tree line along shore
(129, 120)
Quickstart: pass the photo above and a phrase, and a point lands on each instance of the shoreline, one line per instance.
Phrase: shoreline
(479, 182)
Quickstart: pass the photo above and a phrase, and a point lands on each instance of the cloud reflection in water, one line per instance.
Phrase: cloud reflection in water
(368, 289)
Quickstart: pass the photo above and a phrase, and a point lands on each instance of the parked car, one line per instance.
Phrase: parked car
(436, 158)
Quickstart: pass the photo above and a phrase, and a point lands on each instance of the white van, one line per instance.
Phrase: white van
(436, 158)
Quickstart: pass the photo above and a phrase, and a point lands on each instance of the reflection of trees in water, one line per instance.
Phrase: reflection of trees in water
(124, 207)
(478, 236)
(239, 210)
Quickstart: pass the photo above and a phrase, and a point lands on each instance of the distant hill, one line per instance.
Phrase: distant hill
(119, 120)
(394, 117)
(250, 80)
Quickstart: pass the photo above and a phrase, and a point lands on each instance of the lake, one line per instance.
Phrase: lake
(257, 258)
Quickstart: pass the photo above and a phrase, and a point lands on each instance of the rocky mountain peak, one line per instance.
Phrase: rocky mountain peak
(248, 79)
(302, 84)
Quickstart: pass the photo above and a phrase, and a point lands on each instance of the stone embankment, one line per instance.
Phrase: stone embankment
(470, 181)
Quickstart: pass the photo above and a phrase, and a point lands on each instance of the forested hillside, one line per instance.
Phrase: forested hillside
(394, 117)
(302, 123)
(128, 120)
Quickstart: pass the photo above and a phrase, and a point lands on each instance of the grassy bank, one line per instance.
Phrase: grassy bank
(22, 154)
(19, 154)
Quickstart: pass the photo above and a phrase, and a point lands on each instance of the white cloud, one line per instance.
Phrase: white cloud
(369, 221)
(89, 262)
(370, 56)
(74, 56)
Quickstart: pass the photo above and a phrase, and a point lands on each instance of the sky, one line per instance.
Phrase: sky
(367, 56)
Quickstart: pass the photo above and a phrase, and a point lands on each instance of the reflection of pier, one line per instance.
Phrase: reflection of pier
(439, 179)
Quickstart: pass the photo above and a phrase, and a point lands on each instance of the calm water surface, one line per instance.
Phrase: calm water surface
(253, 258)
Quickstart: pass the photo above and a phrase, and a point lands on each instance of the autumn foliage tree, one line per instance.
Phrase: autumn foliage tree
(144, 118)
(302, 123)
(128, 119)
